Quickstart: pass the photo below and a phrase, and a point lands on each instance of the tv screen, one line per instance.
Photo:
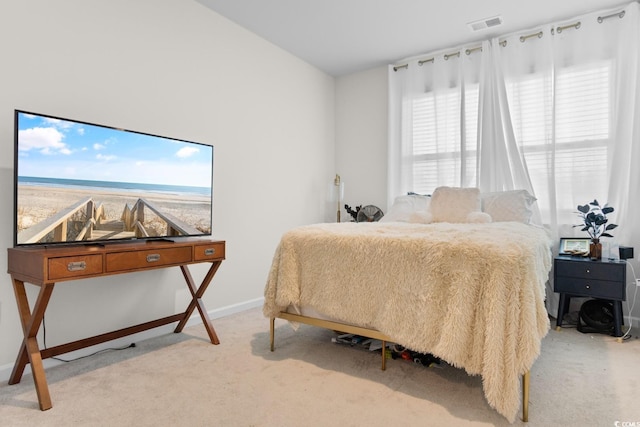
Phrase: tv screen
(77, 182)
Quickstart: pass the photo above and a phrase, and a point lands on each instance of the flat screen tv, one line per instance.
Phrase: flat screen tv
(84, 183)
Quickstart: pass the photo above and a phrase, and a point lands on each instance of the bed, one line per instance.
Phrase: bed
(461, 286)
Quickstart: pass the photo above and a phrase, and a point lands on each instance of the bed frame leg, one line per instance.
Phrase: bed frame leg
(525, 396)
(384, 355)
(272, 324)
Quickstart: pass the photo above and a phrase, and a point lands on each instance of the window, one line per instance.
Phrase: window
(565, 144)
(566, 153)
(444, 126)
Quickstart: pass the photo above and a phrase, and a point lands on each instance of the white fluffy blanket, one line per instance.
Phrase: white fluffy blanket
(472, 294)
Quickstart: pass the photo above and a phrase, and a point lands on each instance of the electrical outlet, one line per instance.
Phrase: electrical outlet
(638, 282)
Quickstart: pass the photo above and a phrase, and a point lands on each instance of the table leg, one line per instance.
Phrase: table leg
(525, 396)
(563, 308)
(29, 350)
(196, 300)
(617, 318)
(272, 327)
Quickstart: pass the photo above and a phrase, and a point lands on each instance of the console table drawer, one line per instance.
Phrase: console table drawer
(593, 288)
(134, 260)
(208, 251)
(74, 266)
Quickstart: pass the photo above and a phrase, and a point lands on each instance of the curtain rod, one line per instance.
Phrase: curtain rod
(473, 49)
(528, 36)
(449, 55)
(503, 43)
(618, 14)
(566, 27)
(422, 61)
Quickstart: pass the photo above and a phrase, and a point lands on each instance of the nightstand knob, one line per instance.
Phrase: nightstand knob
(588, 286)
(588, 271)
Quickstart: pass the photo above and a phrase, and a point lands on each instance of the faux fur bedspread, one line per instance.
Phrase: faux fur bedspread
(471, 294)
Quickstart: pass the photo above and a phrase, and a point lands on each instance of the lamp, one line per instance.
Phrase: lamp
(338, 194)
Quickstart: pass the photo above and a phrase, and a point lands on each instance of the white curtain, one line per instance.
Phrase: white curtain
(557, 112)
(433, 112)
(624, 173)
(501, 164)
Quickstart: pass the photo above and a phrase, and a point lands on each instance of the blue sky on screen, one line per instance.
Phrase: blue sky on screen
(55, 148)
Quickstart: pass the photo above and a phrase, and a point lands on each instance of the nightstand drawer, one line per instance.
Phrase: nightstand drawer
(591, 270)
(74, 266)
(587, 287)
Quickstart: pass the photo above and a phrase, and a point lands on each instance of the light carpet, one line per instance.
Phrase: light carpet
(182, 379)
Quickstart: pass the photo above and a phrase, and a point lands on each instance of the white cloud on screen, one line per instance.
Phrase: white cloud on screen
(186, 152)
(45, 140)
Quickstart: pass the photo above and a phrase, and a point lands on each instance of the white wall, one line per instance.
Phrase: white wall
(172, 68)
(361, 137)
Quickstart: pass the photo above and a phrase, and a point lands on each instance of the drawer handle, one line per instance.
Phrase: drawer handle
(588, 286)
(153, 257)
(77, 266)
(588, 271)
(210, 251)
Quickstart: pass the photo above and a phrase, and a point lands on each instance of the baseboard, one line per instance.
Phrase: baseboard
(5, 370)
(227, 311)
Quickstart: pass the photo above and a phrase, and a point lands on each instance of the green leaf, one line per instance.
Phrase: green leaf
(611, 226)
(606, 235)
(595, 203)
(584, 209)
(607, 210)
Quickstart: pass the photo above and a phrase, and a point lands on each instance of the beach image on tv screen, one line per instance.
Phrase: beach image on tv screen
(79, 182)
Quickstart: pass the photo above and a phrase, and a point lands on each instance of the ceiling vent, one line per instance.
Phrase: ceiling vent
(485, 23)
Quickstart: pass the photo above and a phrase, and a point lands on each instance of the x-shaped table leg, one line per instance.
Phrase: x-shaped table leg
(29, 350)
(196, 300)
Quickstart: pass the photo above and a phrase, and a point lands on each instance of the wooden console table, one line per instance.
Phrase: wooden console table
(44, 266)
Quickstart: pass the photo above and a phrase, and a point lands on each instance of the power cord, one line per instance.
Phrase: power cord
(44, 341)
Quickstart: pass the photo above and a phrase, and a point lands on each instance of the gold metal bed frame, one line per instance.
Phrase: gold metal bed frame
(372, 333)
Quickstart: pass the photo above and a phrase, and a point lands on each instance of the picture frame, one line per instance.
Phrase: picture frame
(574, 246)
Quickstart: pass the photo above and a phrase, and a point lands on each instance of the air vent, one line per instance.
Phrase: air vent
(485, 23)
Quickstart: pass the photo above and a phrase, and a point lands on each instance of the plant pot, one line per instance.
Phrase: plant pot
(595, 249)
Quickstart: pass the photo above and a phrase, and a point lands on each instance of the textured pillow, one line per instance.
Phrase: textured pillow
(515, 205)
(449, 204)
(421, 217)
(479, 217)
(408, 208)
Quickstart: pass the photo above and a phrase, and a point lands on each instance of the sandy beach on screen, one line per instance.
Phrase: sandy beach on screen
(37, 203)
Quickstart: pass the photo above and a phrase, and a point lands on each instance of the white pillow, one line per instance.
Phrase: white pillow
(408, 208)
(514, 205)
(450, 204)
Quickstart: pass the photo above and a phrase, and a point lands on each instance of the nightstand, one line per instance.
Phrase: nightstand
(582, 277)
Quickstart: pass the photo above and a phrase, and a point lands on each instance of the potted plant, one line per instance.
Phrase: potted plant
(595, 223)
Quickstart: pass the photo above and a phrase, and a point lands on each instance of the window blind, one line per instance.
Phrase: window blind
(444, 138)
(564, 143)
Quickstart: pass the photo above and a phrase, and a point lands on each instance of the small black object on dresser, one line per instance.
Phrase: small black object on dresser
(582, 277)
(626, 252)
